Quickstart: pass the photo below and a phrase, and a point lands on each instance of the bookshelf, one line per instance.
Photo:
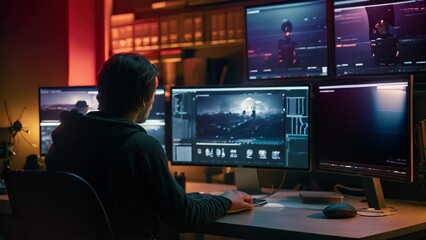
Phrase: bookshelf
(146, 34)
(220, 26)
(122, 33)
(192, 45)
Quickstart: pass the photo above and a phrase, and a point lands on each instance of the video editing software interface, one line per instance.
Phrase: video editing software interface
(374, 37)
(54, 100)
(287, 40)
(365, 128)
(265, 127)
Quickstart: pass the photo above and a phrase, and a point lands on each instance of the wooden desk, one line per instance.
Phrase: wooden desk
(290, 222)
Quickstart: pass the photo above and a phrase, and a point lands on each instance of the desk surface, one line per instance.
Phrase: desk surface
(287, 218)
(295, 220)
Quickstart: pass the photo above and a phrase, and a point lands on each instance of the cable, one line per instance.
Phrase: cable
(337, 186)
(274, 190)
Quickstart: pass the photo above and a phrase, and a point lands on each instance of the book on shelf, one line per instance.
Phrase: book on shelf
(198, 28)
(169, 31)
(154, 26)
(214, 35)
(217, 26)
(174, 30)
(164, 31)
(146, 34)
(235, 24)
(122, 39)
(122, 32)
(142, 39)
(187, 29)
(221, 26)
(191, 30)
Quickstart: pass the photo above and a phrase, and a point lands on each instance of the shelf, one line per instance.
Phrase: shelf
(199, 30)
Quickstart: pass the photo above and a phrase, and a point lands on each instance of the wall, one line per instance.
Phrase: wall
(82, 43)
(35, 51)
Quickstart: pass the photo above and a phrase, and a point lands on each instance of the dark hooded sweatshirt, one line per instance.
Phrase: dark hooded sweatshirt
(129, 171)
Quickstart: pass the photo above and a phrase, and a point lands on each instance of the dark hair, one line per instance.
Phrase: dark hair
(81, 104)
(31, 163)
(286, 26)
(123, 80)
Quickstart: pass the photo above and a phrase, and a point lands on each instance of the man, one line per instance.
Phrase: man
(286, 46)
(127, 167)
(384, 45)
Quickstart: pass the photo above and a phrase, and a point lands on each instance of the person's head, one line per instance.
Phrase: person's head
(382, 27)
(31, 163)
(286, 27)
(126, 85)
(82, 106)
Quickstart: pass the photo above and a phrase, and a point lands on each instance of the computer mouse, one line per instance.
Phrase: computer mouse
(339, 210)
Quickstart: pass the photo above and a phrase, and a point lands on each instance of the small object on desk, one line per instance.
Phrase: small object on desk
(259, 201)
(256, 202)
(339, 210)
(320, 197)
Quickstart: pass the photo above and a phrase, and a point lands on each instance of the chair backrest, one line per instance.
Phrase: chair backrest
(56, 205)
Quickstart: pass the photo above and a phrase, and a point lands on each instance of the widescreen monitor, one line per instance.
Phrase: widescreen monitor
(380, 37)
(54, 100)
(287, 40)
(364, 128)
(241, 127)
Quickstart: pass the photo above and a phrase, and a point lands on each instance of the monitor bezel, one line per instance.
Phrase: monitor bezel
(239, 166)
(94, 88)
(82, 87)
(332, 37)
(329, 64)
(370, 80)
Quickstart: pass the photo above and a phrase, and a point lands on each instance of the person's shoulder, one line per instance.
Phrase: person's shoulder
(143, 138)
(150, 140)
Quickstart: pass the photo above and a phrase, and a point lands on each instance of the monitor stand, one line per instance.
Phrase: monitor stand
(375, 197)
(247, 180)
(373, 192)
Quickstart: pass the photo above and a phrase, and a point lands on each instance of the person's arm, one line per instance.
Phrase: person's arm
(183, 212)
(240, 201)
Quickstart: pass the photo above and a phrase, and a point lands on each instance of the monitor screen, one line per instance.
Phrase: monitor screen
(380, 37)
(287, 40)
(364, 127)
(258, 127)
(54, 100)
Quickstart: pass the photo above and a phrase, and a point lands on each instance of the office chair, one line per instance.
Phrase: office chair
(56, 205)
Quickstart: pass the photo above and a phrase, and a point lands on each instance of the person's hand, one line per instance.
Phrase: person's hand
(240, 201)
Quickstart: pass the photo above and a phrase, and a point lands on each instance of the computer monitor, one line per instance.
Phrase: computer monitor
(380, 37)
(364, 128)
(287, 40)
(155, 125)
(54, 100)
(242, 127)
